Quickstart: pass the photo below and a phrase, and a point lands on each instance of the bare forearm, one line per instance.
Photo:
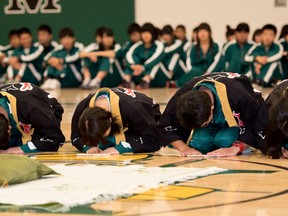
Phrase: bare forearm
(178, 144)
(108, 53)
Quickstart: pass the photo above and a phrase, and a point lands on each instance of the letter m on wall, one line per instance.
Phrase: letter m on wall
(32, 6)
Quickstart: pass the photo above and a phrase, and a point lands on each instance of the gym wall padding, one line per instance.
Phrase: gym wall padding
(84, 16)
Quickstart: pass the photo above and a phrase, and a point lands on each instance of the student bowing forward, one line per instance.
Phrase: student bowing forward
(115, 121)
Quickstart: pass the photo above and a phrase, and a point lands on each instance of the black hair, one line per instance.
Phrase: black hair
(93, 124)
(196, 29)
(229, 31)
(276, 134)
(256, 33)
(149, 27)
(4, 135)
(45, 28)
(270, 27)
(109, 32)
(205, 26)
(24, 31)
(284, 31)
(66, 32)
(99, 31)
(167, 29)
(181, 27)
(242, 27)
(133, 27)
(13, 32)
(193, 109)
(159, 32)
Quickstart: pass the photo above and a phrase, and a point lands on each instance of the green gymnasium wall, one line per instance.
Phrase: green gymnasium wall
(84, 16)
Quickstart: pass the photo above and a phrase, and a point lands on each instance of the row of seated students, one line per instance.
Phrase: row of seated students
(150, 58)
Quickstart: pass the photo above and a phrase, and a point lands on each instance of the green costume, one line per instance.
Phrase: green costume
(113, 67)
(48, 51)
(199, 63)
(126, 46)
(16, 136)
(34, 117)
(271, 70)
(71, 75)
(7, 51)
(232, 59)
(31, 64)
(186, 45)
(173, 61)
(93, 67)
(111, 141)
(151, 59)
(217, 134)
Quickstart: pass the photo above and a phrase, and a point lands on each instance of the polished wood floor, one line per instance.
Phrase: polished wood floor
(253, 185)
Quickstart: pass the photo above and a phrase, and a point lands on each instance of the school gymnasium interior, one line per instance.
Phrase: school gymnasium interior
(248, 184)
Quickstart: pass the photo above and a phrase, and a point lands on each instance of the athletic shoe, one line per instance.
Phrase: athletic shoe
(94, 84)
(46, 84)
(55, 84)
(86, 83)
(51, 84)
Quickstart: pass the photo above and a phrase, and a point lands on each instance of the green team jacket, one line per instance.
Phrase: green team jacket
(284, 60)
(71, 75)
(114, 67)
(125, 48)
(32, 68)
(93, 67)
(149, 58)
(198, 63)
(274, 53)
(172, 55)
(48, 50)
(232, 59)
(7, 51)
(186, 45)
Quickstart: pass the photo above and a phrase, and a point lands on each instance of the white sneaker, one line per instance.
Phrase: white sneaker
(46, 84)
(51, 84)
(94, 83)
(86, 83)
(55, 84)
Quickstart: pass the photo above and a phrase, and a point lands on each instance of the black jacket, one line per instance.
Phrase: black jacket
(37, 114)
(241, 106)
(136, 113)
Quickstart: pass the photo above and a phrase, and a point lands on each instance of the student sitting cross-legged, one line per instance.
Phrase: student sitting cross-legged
(144, 60)
(64, 63)
(115, 121)
(91, 63)
(264, 58)
(202, 57)
(215, 114)
(173, 55)
(29, 120)
(45, 38)
(232, 59)
(26, 62)
(110, 56)
(6, 52)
